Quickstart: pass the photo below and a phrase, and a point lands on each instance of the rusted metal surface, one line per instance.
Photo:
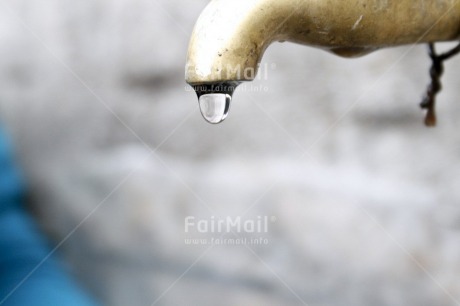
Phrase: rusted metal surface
(231, 36)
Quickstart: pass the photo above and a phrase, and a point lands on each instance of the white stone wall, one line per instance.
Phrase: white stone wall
(365, 199)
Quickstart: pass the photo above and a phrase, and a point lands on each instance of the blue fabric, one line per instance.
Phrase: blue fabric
(28, 275)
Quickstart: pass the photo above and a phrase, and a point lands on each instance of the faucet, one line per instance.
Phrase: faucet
(231, 36)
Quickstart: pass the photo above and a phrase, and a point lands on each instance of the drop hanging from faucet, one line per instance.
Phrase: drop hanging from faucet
(214, 100)
(214, 107)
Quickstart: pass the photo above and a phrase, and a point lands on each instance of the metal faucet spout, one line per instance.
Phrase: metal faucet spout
(231, 36)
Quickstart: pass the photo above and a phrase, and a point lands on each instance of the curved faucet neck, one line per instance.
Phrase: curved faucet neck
(231, 36)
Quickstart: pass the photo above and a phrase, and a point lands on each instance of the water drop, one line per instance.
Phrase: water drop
(215, 106)
(214, 100)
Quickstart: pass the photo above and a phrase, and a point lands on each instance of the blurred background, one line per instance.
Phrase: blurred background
(362, 197)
